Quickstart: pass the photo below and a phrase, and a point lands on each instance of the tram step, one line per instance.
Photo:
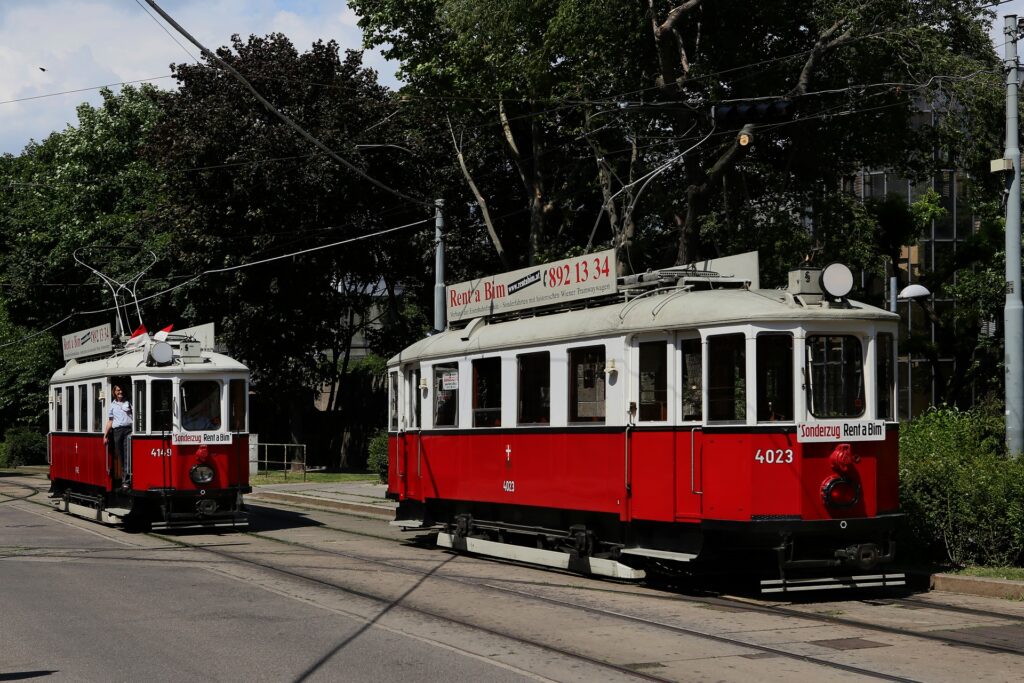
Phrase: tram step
(547, 558)
(660, 554)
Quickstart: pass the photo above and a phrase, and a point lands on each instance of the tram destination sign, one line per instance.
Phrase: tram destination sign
(837, 432)
(87, 342)
(571, 279)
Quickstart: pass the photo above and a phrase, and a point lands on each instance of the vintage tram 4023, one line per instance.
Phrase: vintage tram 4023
(675, 421)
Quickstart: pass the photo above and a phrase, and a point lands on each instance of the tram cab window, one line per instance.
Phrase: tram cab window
(237, 404)
(97, 407)
(83, 407)
(586, 384)
(835, 376)
(446, 395)
(200, 405)
(487, 392)
(162, 391)
(393, 401)
(534, 397)
(727, 378)
(58, 409)
(653, 381)
(139, 406)
(70, 397)
(774, 377)
(884, 352)
(692, 380)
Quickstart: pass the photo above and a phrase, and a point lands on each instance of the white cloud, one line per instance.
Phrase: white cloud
(86, 43)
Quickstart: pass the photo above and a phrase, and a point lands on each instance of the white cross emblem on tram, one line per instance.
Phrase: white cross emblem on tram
(508, 454)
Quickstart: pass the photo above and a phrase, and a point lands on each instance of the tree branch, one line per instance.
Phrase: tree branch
(481, 202)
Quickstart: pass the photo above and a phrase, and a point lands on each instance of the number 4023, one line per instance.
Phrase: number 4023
(776, 456)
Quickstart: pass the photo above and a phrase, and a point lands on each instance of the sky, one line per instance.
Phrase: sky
(83, 44)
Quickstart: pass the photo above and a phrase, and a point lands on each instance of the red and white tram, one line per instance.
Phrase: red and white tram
(686, 420)
(187, 457)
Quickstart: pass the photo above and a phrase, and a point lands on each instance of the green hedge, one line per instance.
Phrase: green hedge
(963, 497)
(22, 446)
(377, 461)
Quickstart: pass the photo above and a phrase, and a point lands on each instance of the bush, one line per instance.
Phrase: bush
(378, 455)
(963, 497)
(22, 446)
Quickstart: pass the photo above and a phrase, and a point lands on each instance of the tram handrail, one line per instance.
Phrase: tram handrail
(693, 457)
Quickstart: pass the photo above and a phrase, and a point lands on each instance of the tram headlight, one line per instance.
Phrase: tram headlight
(839, 492)
(201, 474)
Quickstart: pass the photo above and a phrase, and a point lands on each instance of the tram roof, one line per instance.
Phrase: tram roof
(133, 362)
(672, 309)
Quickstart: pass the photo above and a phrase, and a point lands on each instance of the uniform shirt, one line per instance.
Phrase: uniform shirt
(121, 413)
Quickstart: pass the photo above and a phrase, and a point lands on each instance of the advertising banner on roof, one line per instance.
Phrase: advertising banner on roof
(87, 342)
(571, 279)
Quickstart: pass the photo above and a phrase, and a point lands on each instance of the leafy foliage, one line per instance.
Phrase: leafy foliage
(377, 461)
(23, 446)
(963, 497)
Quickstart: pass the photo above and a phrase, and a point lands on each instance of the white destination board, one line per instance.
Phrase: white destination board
(581, 277)
(87, 342)
(199, 438)
(837, 432)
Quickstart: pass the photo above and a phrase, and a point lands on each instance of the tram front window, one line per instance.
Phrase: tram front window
(835, 376)
(162, 390)
(200, 405)
(774, 377)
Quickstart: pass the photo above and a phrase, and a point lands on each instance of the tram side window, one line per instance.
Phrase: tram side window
(653, 382)
(692, 380)
(162, 391)
(139, 406)
(586, 384)
(58, 409)
(835, 376)
(534, 388)
(774, 377)
(393, 401)
(886, 376)
(727, 378)
(237, 395)
(97, 407)
(70, 396)
(200, 405)
(415, 399)
(83, 407)
(446, 395)
(487, 392)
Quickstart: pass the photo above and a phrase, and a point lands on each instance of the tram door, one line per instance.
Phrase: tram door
(408, 426)
(689, 447)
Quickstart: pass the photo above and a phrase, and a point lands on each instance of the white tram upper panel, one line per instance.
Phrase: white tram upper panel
(136, 362)
(675, 309)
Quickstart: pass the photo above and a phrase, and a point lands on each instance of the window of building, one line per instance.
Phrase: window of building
(534, 388)
(446, 395)
(774, 377)
(83, 407)
(58, 409)
(237, 394)
(692, 380)
(884, 359)
(97, 407)
(835, 376)
(393, 401)
(487, 392)
(727, 378)
(586, 384)
(70, 396)
(653, 381)
(162, 392)
(200, 405)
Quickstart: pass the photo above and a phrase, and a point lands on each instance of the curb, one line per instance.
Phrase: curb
(974, 585)
(304, 500)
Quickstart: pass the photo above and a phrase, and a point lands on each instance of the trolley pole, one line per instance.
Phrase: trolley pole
(439, 308)
(1013, 313)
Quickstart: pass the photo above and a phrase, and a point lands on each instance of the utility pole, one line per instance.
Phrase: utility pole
(1013, 312)
(439, 303)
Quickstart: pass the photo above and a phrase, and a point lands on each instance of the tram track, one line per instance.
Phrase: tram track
(33, 491)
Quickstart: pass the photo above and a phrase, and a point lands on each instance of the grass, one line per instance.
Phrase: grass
(1011, 573)
(280, 477)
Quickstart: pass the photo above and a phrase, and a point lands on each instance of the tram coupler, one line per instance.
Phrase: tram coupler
(866, 555)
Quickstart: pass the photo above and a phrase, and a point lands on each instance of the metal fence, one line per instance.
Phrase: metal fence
(289, 458)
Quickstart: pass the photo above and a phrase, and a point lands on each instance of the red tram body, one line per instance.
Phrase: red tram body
(188, 453)
(700, 423)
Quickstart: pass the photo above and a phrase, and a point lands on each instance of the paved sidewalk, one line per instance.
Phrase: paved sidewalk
(358, 497)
